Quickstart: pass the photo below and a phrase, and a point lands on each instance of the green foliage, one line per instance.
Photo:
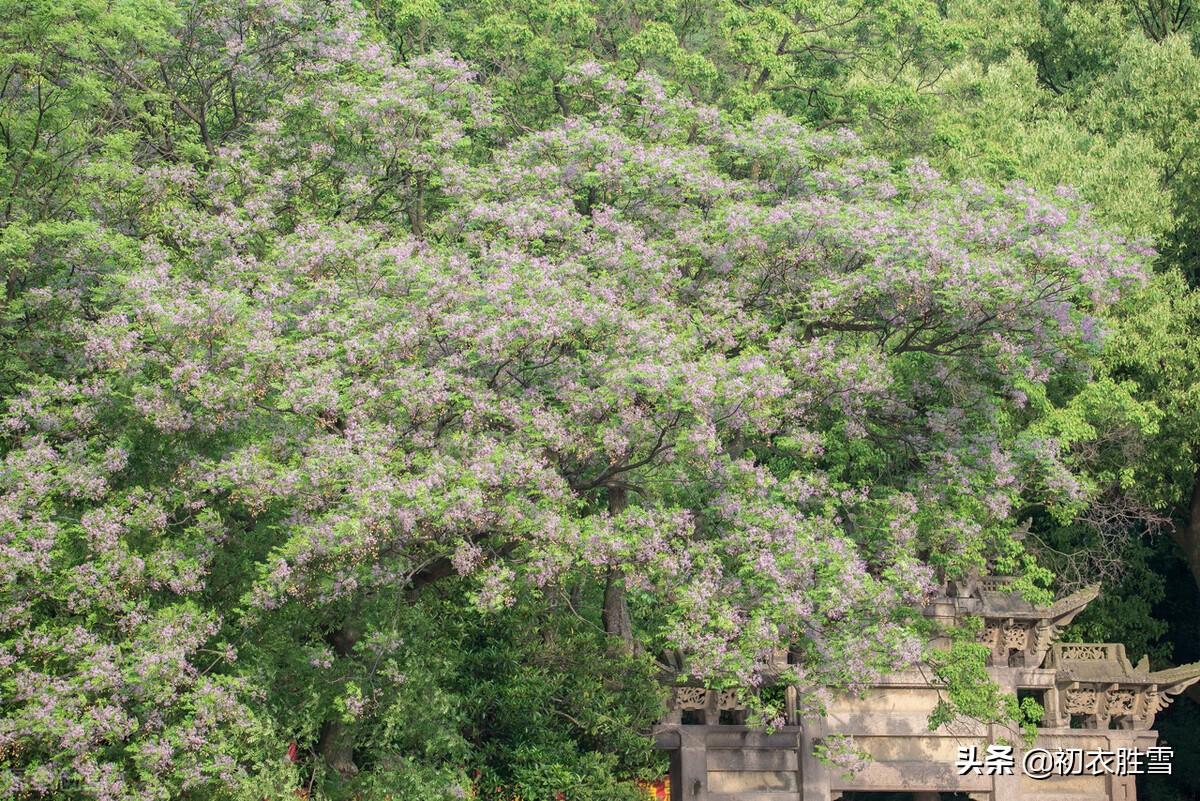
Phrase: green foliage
(970, 693)
(553, 709)
(444, 699)
(1125, 611)
(119, 123)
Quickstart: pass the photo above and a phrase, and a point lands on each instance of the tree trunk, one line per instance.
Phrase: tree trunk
(1188, 537)
(336, 744)
(616, 608)
(337, 747)
(416, 208)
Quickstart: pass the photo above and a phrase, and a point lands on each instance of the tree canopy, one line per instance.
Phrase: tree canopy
(395, 392)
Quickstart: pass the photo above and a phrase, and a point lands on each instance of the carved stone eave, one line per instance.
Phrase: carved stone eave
(1177, 679)
(1017, 631)
(1167, 685)
(1059, 616)
(1074, 603)
(1003, 604)
(1097, 682)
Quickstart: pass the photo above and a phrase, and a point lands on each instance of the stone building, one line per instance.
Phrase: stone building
(1096, 737)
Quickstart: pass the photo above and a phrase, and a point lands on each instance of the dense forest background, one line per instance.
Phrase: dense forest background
(395, 391)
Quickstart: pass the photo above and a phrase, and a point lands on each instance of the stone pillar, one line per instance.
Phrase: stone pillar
(693, 765)
(1121, 788)
(676, 777)
(814, 777)
(1054, 710)
(1007, 787)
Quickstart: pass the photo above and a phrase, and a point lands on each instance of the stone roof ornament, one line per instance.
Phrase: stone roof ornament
(1099, 687)
(1018, 633)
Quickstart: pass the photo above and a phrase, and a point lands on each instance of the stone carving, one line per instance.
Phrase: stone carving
(994, 583)
(691, 698)
(1131, 694)
(1081, 701)
(1016, 631)
(729, 700)
(1016, 637)
(1153, 702)
(1120, 702)
(1083, 653)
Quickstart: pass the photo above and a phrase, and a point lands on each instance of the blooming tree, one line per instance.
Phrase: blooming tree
(759, 385)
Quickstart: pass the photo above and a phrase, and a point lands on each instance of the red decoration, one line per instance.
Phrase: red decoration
(659, 790)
